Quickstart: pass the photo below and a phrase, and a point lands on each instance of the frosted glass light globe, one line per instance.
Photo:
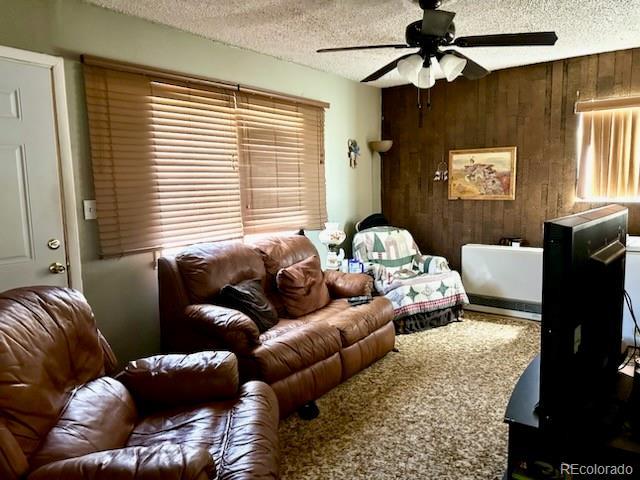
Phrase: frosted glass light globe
(452, 66)
(408, 67)
(426, 78)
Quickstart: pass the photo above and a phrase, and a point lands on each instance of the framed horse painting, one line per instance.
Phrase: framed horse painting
(482, 174)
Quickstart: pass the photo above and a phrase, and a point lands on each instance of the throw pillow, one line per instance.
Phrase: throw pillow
(249, 298)
(302, 287)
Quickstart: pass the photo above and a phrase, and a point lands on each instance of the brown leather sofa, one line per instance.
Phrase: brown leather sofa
(175, 417)
(300, 358)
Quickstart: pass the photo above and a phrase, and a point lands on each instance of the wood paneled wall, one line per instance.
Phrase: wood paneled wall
(530, 107)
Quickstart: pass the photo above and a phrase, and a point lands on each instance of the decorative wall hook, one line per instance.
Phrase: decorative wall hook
(442, 172)
(354, 152)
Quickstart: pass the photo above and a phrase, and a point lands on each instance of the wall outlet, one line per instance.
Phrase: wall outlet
(90, 212)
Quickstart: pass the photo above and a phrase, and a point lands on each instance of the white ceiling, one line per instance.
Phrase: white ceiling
(294, 29)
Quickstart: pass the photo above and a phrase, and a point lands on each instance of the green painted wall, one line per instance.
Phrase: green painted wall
(123, 292)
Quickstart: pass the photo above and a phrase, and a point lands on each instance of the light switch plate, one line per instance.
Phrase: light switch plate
(90, 212)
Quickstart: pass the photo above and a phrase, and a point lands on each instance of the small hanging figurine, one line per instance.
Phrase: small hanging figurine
(354, 152)
(442, 172)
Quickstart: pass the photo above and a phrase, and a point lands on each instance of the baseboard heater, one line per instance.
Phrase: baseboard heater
(503, 280)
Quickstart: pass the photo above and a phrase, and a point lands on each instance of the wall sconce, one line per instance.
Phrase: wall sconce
(380, 146)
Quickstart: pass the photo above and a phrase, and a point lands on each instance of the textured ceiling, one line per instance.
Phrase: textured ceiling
(293, 30)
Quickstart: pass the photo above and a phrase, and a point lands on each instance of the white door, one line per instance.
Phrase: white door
(32, 243)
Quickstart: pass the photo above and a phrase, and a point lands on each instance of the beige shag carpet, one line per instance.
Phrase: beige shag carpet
(432, 411)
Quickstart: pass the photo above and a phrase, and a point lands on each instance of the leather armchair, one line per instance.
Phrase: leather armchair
(181, 417)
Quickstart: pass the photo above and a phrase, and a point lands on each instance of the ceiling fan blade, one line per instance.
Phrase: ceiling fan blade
(508, 40)
(363, 47)
(436, 22)
(384, 70)
(472, 70)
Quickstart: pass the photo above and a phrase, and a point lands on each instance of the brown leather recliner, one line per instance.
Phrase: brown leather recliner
(175, 417)
(300, 358)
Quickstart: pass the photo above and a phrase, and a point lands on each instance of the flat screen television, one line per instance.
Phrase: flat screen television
(582, 307)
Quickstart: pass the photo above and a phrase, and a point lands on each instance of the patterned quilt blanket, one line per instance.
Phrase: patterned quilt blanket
(426, 293)
(413, 282)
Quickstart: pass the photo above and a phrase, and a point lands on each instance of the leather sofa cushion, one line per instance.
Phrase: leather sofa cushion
(207, 267)
(302, 287)
(294, 350)
(100, 415)
(281, 252)
(249, 298)
(241, 434)
(284, 251)
(284, 325)
(48, 346)
(353, 323)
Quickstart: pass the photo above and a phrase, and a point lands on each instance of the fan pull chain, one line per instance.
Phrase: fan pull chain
(420, 118)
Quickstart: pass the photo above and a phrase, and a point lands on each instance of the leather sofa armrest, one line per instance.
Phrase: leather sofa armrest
(166, 461)
(343, 284)
(177, 379)
(229, 327)
(110, 359)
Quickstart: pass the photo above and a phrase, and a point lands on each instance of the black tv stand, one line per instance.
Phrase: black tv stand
(534, 454)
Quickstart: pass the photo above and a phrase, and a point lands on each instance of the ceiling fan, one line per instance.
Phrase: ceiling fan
(432, 35)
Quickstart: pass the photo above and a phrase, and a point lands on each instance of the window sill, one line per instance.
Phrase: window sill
(608, 200)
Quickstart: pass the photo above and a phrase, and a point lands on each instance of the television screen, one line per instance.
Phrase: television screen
(582, 307)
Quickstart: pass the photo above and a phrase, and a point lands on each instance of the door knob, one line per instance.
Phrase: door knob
(57, 267)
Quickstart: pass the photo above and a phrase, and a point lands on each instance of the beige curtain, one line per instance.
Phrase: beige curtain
(609, 157)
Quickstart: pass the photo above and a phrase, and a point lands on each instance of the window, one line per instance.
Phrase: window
(282, 159)
(609, 150)
(178, 161)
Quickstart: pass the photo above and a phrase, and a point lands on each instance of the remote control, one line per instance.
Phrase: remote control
(360, 299)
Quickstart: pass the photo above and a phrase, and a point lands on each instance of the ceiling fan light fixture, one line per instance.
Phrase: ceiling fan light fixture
(426, 78)
(452, 66)
(435, 66)
(409, 67)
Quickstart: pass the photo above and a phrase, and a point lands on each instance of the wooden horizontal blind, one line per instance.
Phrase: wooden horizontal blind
(281, 147)
(164, 159)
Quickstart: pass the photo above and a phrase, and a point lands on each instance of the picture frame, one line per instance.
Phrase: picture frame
(483, 174)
